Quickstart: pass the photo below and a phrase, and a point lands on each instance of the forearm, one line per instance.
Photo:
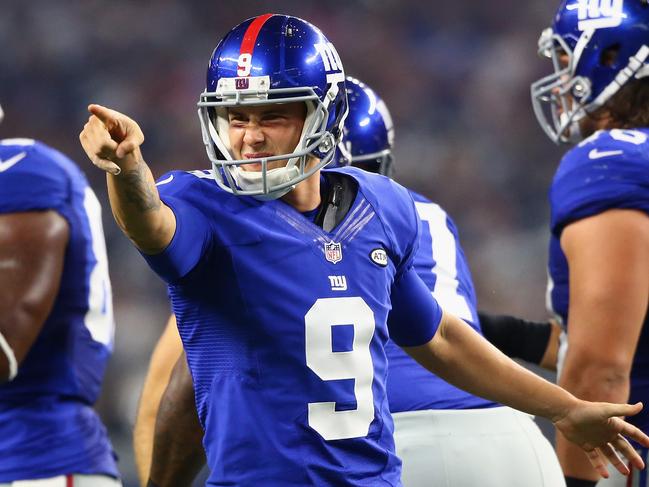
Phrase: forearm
(462, 357)
(164, 357)
(594, 381)
(138, 210)
(518, 338)
(177, 449)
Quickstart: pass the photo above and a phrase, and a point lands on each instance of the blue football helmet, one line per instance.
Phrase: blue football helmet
(606, 43)
(368, 134)
(273, 59)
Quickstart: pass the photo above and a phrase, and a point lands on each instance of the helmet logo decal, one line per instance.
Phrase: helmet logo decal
(242, 83)
(598, 14)
(248, 44)
(329, 56)
(332, 64)
(245, 64)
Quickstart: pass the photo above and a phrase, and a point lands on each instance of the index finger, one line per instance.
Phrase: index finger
(106, 115)
(630, 431)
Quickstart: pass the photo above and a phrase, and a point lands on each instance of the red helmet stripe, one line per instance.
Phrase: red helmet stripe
(250, 37)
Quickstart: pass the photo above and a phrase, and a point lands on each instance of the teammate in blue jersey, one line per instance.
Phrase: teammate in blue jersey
(282, 277)
(56, 322)
(599, 246)
(430, 415)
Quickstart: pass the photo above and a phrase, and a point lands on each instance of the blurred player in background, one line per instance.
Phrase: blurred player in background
(56, 322)
(282, 277)
(436, 424)
(599, 247)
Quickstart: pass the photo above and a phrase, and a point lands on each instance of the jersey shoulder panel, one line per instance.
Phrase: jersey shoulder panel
(199, 189)
(34, 176)
(419, 198)
(608, 170)
(175, 183)
(395, 209)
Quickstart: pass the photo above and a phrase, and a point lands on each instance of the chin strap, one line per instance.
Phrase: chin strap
(338, 195)
(11, 358)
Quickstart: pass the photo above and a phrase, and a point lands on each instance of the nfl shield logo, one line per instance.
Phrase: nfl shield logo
(333, 252)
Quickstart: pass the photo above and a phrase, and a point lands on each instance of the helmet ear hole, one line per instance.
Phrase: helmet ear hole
(609, 56)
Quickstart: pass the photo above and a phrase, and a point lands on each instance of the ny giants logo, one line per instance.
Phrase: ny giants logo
(242, 83)
(331, 60)
(598, 14)
(338, 283)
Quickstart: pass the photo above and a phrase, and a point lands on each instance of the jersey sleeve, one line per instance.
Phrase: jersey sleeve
(402, 227)
(585, 187)
(191, 239)
(415, 315)
(31, 181)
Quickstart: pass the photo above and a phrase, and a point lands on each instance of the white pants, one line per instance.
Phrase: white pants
(497, 447)
(68, 481)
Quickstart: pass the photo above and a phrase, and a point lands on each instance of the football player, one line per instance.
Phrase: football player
(282, 277)
(367, 143)
(599, 245)
(56, 322)
(429, 414)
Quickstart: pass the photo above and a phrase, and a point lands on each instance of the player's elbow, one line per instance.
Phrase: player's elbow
(593, 377)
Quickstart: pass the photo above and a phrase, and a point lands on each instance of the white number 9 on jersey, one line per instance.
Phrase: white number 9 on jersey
(329, 365)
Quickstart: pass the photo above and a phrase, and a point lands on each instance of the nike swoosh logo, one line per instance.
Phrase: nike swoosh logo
(12, 161)
(595, 154)
(165, 181)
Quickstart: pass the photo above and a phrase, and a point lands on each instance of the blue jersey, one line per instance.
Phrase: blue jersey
(442, 265)
(47, 424)
(284, 327)
(608, 170)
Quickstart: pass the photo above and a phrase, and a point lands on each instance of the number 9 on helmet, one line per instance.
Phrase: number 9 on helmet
(265, 60)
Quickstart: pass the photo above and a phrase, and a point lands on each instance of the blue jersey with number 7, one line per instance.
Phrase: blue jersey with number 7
(440, 262)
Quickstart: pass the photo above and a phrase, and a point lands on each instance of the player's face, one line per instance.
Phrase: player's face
(265, 131)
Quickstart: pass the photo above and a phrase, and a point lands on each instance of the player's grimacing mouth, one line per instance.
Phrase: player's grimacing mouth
(255, 155)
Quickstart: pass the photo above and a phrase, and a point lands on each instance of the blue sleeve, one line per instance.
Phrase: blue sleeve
(190, 242)
(402, 225)
(415, 314)
(397, 212)
(584, 188)
(33, 183)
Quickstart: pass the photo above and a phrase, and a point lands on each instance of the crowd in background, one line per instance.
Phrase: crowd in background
(455, 76)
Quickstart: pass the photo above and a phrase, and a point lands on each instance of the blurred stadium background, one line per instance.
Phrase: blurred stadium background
(455, 75)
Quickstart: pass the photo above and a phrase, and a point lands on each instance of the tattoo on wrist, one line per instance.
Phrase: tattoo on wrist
(139, 190)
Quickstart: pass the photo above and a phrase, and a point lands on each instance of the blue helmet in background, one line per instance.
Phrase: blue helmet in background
(368, 134)
(273, 59)
(606, 43)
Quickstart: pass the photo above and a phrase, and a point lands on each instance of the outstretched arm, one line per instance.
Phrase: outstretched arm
(165, 355)
(462, 357)
(112, 142)
(32, 252)
(177, 449)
